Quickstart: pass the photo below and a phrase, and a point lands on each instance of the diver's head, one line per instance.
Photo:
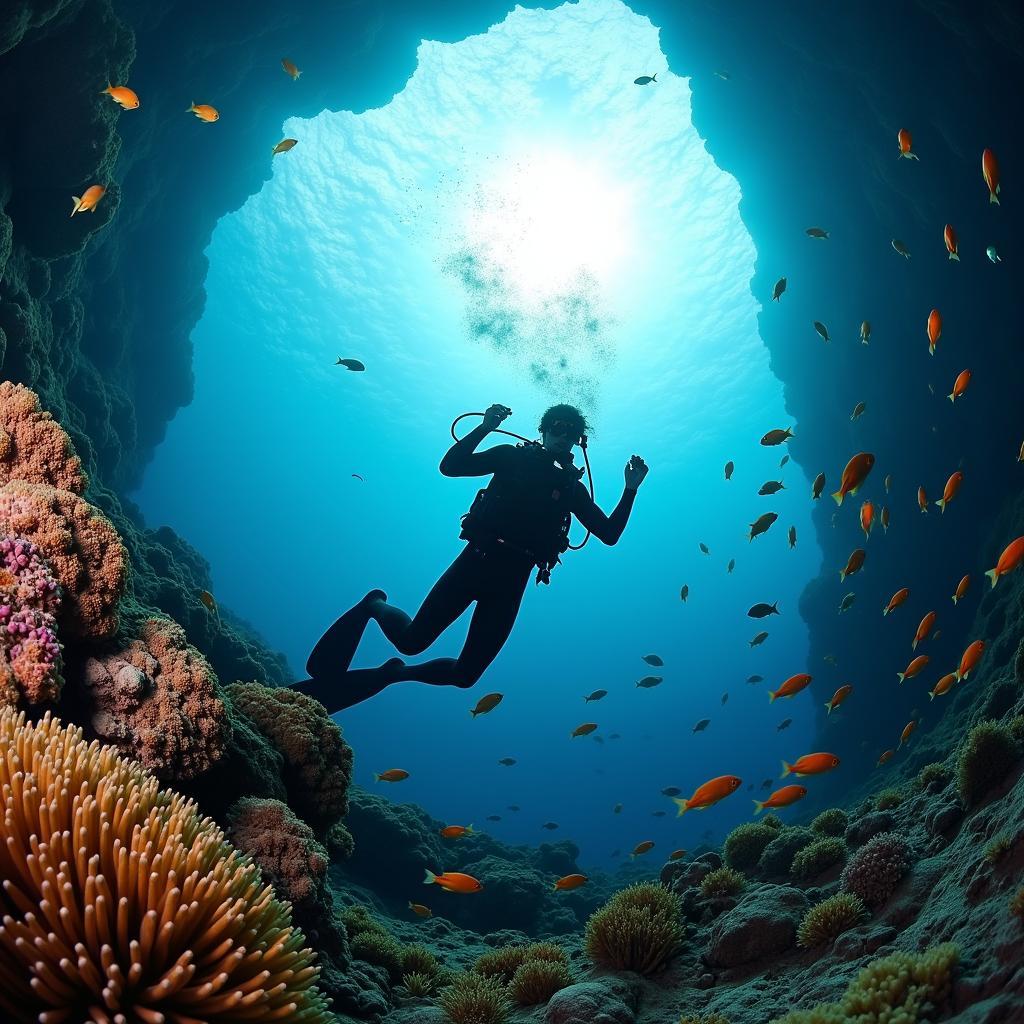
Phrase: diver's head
(561, 427)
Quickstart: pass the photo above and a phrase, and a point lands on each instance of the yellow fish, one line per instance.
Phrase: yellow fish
(283, 146)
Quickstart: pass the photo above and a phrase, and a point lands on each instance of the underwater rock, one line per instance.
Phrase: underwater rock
(942, 816)
(863, 941)
(608, 1000)
(765, 922)
(870, 825)
(777, 856)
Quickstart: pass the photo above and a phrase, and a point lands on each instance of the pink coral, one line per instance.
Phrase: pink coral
(158, 701)
(87, 556)
(875, 870)
(33, 446)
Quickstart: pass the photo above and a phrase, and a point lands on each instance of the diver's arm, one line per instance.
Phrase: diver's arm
(461, 460)
(605, 528)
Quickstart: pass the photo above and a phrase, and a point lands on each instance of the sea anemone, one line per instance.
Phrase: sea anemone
(501, 963)
(875, 870)
(417, 959)
(832, 822)
(418, 985)
(475, 999)
(936, 771)
(638, 929)
(536, 981)
(547, 951)
(153, 893)
(823, 922)
(988, 753)
(888, 799)
(814, 859)
(745, 843)
(381, 949)
(722, 882)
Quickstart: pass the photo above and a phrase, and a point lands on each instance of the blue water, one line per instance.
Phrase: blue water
(359, 247)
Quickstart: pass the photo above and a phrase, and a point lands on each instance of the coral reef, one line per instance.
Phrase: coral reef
(501, 963)
(875, 870)
(934, 774)
(722, 881)
(831, 822)
(818, 857)
(778, 855)
(536, 981)
(745, 843)
(475, 999)
(638, 929)
(888, 799)
(833, 916)
(987, 755)
(377, 947)
(96, 808)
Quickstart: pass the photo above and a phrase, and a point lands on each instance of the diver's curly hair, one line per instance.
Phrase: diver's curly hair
(569, 413)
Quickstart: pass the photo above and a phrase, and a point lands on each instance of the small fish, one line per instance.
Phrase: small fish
(990, 252)
(507, 761)
(283, 146)
(810, 764)
(702, 725)
(122, 95)
(887, 482)
(642, 848)
(615, 736)
(392, 775)
(922, 499)
(942, 686)
(847, 602)
(725, 697)
(617, 809)
(792, 686)
(290, 68)
(884, 518)
(1012, 556)
(777, 436)
(950, 490)
(858, 410)
(653, 659)
(783, 461)
(923, 629)
(88, 200)
(970, 659)
(816, 232)
(914, 667)
(949, 237)
(704, 548)
(853, 563)
(550, 825)
(961, 588)
(781, 798)
(649, 681)
(758, 639)
(418, 908)
(818, 486)
(671, 791)
(487, 703)
(905, 142)
(768, 783)
(350, 364)
(755, 679)
(885, 757)
(784, 724)
(684, 592)
(514, 807)
(456, 831)
(208, 599)
(709, 793)
(907, 730)
(761, 524)
(934, 328)
(732, 565)
(780, 287)
(901, 248)
(596, 695)
(453, 881)
(204, 112)
(838, 697)
(583, 730)
(567, 882)
(760, 610)
(729, 467)
(854, 474)
(677, 855)
(772, 487)
(822, 330)
(896, 600)
(867, 517)
(990, 172)
(645, 79)
(494, 817)
(792, 536)
(865, 332)
(960, 385)
(657, 814)
(931, 390)
(723, 75)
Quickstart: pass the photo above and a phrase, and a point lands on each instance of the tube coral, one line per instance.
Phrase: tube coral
(638, 929)
(160, 916)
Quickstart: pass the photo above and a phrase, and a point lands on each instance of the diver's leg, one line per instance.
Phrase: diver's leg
(342, 690)
(333, 652)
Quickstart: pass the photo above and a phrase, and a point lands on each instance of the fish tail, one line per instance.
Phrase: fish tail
(842, 575)
(953, 256)
(828, 704)
(931, 696)
(955, 599)
(950, 397)
(469, 828)
(681, 804)
(838, 495)
(992, 575)
(941, 503)
(885, 610)
(775, 605)
(472, 711)
(992, 198)
(430, 877)
(191, 107)
(787, 768)
(901, 675)
(759, 806)
(75, 203)
(377, 778)
(654, 77)
(772, 694)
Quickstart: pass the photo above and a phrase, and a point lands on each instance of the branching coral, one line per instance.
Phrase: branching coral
(722, 882)
(899, 987)
(823, 922)
(988, 753)
(745, 843)
(474, 999)
(638, 929)
(814, 859)
(832, 822)
(888, 799)
(153, 896)
(158, 701)
(875, 870)
(536, 981)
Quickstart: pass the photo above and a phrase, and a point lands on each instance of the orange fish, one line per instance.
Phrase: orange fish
(914, 667)
(456, 831)
(990, 172)
(950, 492)
(907, 730)
(203, 111)
(677, 855)
(290, 68)
(584, 729)
(838, 697)
(970, 659)
(942, 686)
(960, 385)
(810, 764)
(867, 517)
(710, 793)
(923, 630)
(453, 881)
(208, 599)
(642, 848)
(418, 908)
(884, 517)
(961, 588)
(88, 200)
(1012, 556)
(896, 600)
(488, 702)
(934, 330)
(854, 475)
(793, 685)
(949, 236)
(781, 798)
(853, 564)
(392, 775)
(905, 142)
(122, 95)
(886, 754)
(567, 882)
(922, 500)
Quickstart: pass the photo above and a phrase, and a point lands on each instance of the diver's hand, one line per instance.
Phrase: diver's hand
(495, 414)
(635, 471)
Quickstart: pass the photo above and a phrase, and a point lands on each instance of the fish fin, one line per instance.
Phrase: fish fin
(953, 256)
(758, 806)
(75, 203)
(681, 804)
(430, 877)
(772, 694)
(469, 828)
(787, 768)
(654, 77)
(941, 503)
(191, 108)
(913, 645)
(992, 198)
(931, 696)
(828, 704)
(950, 397)
(992, 575)
(838, 495)
(901, 675)
(842, 575)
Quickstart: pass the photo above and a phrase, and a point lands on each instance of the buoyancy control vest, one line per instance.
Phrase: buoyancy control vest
(526, 507)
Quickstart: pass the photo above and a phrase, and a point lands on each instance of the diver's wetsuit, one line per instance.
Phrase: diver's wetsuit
(492, 575)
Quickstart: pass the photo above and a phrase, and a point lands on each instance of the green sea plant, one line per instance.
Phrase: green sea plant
(418, 985)
(473, 998)
(888, 799)
(723, 881)
(547, 951)
(830, 918)
(998, 847)
(638, 929)
(745, 843)
(832, 822)
(501, 963)
(987, 755)
(1016, 727)
(817, 857)
(356, 919)
(936, 771)
(381, 949)
(536, 981)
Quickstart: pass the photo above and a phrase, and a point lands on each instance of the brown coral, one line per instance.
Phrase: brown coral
(33, 446)
(158, 701)
(318, 762)
(81, 546)
(160, 917)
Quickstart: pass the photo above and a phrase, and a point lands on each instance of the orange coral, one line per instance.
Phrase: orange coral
(33, 445)
(120, 903)
(80, 544)
(158, 700)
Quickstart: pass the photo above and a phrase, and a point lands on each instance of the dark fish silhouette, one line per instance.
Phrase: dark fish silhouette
(772, 487)
(702, 725)
(784, 724)
(507, 761)
(729, 467)
(351, 364)
(648, 681)
(653, 659)
(596, 695)
(780, 287)
(550, 825)
(645, 79)
(759, 639)
(703, 547)
(760, 610)
(513, 807)
(671, 791)
(754, 679)
(725, 697)
(494, 817)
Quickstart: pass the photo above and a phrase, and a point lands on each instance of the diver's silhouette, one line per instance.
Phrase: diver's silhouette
(519, 521)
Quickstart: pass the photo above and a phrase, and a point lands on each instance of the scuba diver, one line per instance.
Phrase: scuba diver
(518, 522)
